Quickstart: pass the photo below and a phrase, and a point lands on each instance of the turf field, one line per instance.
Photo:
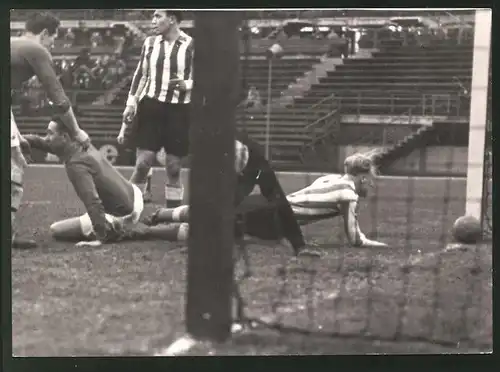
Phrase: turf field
(128, 298)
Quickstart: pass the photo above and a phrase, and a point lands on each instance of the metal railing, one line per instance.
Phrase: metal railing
(431, 105)
(369, 138)
(326, 126)
(392, 102)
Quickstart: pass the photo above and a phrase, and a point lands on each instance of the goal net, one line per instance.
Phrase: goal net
(422, 294)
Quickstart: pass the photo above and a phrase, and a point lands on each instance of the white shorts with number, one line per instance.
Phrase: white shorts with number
(86, 223)
(14, 132)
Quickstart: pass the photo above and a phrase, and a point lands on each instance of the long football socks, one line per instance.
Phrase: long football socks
(167, 215)
(146, 188)
(173, 232)
(174, 195)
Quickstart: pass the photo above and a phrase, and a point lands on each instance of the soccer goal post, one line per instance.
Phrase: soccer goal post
(210, 269)
(477, 166)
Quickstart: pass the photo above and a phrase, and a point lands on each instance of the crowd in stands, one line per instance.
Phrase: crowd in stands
(103, 52)
(139, 14)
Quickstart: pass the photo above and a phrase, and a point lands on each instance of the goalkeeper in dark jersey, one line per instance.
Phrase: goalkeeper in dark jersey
(270, 208)
(29, 56)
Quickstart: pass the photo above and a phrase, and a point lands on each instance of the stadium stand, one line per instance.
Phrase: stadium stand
(414, 71)
(397, 81)
(136, 14)
(409, 74)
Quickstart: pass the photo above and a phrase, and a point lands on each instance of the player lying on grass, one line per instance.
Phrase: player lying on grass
(110, 200)
(252, 169)
(327, 197)
(272, 201)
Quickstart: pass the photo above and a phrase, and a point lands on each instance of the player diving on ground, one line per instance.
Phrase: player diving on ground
(110, 199)
(253, 170)
(327, 197)
(114, 204)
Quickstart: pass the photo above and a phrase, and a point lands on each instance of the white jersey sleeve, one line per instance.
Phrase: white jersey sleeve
(329, 196)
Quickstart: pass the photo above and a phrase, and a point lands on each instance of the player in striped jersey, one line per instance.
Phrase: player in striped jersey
(332, 196)
(159, 103)
(327, 197)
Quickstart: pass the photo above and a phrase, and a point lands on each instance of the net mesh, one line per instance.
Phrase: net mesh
(488, 184)
(422, 294)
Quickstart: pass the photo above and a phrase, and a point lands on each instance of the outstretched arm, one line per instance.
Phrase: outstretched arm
(353, 232)
(37, 142)
(141, 74)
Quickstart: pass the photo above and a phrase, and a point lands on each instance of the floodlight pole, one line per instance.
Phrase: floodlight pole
(272, 53)
(268, 109)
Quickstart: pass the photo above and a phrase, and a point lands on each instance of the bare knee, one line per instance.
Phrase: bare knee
(144, 160)
(143, 163)
(173, 167)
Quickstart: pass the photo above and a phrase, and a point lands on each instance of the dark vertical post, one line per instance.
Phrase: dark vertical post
(212, 178)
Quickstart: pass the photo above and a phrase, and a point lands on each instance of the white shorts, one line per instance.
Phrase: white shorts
(86, 223)
(14, 132)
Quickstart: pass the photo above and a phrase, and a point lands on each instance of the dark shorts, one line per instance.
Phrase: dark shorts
(160, 125)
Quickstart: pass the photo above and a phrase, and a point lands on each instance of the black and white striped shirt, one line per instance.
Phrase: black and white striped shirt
(160, 62)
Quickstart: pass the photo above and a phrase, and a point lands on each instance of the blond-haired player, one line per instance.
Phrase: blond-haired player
(338, 195)
(327, 197)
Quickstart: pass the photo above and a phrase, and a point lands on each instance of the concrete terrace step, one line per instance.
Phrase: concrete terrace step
(422, 58)
(328, 88)
(408, 78)
(423, 54)
(425, 63)
(402, 71)
(387, 67)
(408, 63)
(428, 50)
(296, 65)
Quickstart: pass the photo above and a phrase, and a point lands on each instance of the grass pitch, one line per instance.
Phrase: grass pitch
(128, 299)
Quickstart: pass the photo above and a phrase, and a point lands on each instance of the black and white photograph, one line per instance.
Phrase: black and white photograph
(245, 182)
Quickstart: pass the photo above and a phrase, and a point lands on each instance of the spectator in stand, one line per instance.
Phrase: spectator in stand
(343, 45)
(95, 39)
(100, 66)
(334, 41)
(108, 38)
(121, 67)
(129, 41)
(82, 77)
(119, 43)
(82, 37)
(83, 58)
(110, 74)
(69, 38)
(99, 70)
(253, 99)
(82, 73)
(66, 77)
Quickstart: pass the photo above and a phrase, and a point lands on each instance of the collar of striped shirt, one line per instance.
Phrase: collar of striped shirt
(182, 37)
